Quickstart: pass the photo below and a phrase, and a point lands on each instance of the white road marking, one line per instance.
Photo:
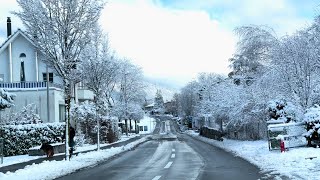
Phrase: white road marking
(173, 155)
(168, 165)
(173, 150)
(156, 178)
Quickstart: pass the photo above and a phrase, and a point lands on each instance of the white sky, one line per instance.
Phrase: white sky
(168, 44)
(292, 163)
(174, 40)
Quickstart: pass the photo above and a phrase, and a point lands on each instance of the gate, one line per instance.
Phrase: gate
(290, 132)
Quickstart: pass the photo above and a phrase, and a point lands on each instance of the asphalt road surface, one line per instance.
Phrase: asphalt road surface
(171, 155)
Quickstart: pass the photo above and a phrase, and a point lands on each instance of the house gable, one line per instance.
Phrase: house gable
(12, 38)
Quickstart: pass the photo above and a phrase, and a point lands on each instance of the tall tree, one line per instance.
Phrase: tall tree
(61, 30)
(253, 52)
(296, 61)
(131, 91)
(189, 98)
(159, 103)
(99, 71)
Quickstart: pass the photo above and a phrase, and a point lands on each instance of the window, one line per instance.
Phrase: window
(50, 77)
(22, 55)
(62, 113)
(145, 128)
(140, 128)
(22, 70)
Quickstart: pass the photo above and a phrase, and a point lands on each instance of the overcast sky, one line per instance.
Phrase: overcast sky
(174, 40)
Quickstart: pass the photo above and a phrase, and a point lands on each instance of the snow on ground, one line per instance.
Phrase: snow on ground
(54, 169)
(292, 163)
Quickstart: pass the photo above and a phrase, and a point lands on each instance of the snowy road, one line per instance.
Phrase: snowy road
(165, 157)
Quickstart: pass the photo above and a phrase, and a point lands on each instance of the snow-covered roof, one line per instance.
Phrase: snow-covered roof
(12, 37)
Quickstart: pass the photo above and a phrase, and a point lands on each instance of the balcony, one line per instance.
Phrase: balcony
(28, 85)
(84, 93)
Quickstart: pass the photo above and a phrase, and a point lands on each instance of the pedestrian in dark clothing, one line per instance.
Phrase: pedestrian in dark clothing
(72, 133)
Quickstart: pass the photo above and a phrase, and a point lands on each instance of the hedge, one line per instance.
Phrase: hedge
(19, 138)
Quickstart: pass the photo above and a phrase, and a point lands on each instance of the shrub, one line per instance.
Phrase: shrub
(312, 122)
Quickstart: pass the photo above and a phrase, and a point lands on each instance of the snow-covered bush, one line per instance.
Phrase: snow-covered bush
(19, 138)
(282, 111)
(6, 99)
(84, 117)
(86, 124)
(27, 115)
(312, 121)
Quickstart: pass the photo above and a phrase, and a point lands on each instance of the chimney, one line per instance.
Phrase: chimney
(9, 26)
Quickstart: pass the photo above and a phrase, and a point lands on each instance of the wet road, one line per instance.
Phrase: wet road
(171, 156)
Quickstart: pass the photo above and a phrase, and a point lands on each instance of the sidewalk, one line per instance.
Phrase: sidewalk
(59, 157)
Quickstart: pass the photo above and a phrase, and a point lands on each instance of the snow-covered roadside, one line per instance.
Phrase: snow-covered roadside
(24, 158)
(54, 169)
(292, 163)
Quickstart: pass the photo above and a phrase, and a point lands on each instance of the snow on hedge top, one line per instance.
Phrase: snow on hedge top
(312, 114)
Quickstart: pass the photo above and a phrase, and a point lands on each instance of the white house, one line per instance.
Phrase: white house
(147, 125)
(24, 73)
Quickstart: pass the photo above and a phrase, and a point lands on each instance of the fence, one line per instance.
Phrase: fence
(211, 133)
(252, 131)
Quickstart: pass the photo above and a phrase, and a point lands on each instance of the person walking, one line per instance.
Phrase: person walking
(72, 133)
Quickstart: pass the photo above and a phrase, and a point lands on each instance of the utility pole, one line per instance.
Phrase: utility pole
(126, 102)
(48, 98)
(98, 124)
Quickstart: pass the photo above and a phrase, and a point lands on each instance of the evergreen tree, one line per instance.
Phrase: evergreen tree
(158, 103)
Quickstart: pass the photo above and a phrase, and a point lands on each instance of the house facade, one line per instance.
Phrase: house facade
(24, 73)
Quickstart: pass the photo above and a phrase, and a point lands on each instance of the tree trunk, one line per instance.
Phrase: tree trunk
(126, 126)
(67, 119)
(135, 126)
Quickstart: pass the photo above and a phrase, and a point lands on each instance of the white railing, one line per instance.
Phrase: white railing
(27, 85)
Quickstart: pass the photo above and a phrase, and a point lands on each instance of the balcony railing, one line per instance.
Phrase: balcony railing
(28, 85)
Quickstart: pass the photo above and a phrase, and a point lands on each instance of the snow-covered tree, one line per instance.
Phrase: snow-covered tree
(6, 99)
(27, 115)
(189, 98)
(135, 112)
(296, 63)
(99, 68)
(253, 52)
(61, 30)
(99, 71)
(131, 91)
(158, 103)
(86, 123)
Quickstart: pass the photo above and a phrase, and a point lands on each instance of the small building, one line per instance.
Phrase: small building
(147, 125)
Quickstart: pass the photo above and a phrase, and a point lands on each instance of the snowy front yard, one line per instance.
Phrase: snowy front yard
(292, 163)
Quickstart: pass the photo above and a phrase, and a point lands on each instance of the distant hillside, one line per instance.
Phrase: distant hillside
(152, 87)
